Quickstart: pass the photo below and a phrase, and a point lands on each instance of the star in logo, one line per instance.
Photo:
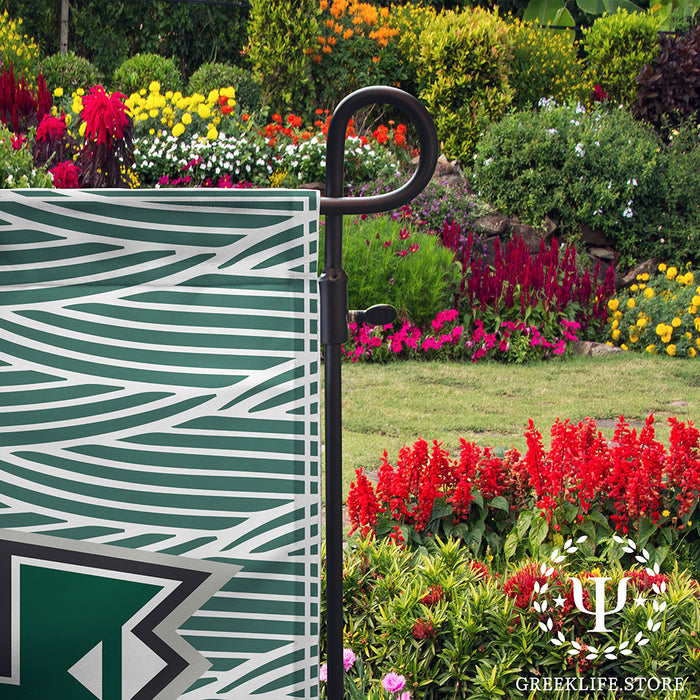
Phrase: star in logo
(639, 601)
(559, 601)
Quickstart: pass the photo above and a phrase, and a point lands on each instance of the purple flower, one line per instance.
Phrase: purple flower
(393, 682)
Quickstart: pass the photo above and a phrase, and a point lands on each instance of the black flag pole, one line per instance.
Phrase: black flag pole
(333, 290)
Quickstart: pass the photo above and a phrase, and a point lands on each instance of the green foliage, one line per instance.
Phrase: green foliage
(546, 64)
(617, 48)
(138, 72)
(18, 50)
(69, 72)
(464, 73)
(456, 631)
(669, 87)
(281, 38)
(17, 168)
(598, 169)
(107, 33)
(214, 76)
(660, 314)
(387, 263)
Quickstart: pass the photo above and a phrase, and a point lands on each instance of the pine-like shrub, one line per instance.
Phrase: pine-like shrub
(546, 64)
(214, 76)
(617, 48)
(69, 72)
(669, 87)
(139, 71)
(464, 72)
(281, 39)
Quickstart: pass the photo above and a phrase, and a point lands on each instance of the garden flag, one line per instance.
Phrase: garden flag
(159, 448)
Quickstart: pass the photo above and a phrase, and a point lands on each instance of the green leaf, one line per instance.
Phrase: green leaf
(591, 7)
(441, 509)
(511, 545)
(538, 533)
(523, 524)
(500, 503)
(544, 11)
(646, 529)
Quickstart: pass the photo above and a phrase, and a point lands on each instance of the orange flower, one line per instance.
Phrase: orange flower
(375, 59)
(332, 40)
(338, 8)
(316, 58)
(327, 49)
(323, 5)
(348, 33)
(245, 117)
(321, 40)
(226, 109)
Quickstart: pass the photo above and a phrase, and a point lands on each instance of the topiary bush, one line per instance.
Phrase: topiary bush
(464, 72)
(546, 64)
(617, 48)
(669, 86)
(599, 169)
(69, 72)
(139, 71)
(214, 76)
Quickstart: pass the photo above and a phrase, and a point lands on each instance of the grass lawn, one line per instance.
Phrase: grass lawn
(387, 406)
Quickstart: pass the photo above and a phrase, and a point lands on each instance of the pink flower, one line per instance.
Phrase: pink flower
(405, 696)
(393, 682)
(323, 673)
(348, 659)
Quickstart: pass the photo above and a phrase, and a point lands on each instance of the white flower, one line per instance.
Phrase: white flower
(579, 150)
(488, 162)
(551, 132)
(628, 213)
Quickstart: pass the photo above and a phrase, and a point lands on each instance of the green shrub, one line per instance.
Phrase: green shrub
(214, 76)
(281, 38)
(546, 64)
(669, 87)
(658, 314)
(139, 71)
(387, 263)
(17, 168)
(598, 169)
(456, 631)
(18, 49)
(617, 48)
(464, 73)
(69, 72)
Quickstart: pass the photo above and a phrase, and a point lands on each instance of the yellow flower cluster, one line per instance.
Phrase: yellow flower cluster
(155, 113)
(410, 20)
(546, 63)
(658, 314)
(18, 49)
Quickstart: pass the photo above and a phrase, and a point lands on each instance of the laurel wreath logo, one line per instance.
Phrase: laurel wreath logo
(613, 651)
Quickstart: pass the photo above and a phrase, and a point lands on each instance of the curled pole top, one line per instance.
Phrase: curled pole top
(334, 202)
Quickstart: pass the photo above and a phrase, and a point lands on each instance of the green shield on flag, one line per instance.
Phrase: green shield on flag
(159, 397)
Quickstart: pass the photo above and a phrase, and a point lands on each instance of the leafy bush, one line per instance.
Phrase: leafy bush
(356, 47)
(597, 168)
(18, 50)
(660, 314)
(139, 71)
(410, 20)
(440, 203)
(69, 72)
(617, 48)
(456, 630)
(388, 263)
(213, 76)
(669, 86)
(281, 38)
(17, 169)
(463, 71)
(546, 64)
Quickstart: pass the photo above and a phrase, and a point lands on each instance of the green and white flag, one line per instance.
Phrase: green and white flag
(159, 444)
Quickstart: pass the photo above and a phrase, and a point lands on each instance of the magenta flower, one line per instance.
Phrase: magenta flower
(105, 115)
(393, 682)
(65, 175)
(348, 659)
